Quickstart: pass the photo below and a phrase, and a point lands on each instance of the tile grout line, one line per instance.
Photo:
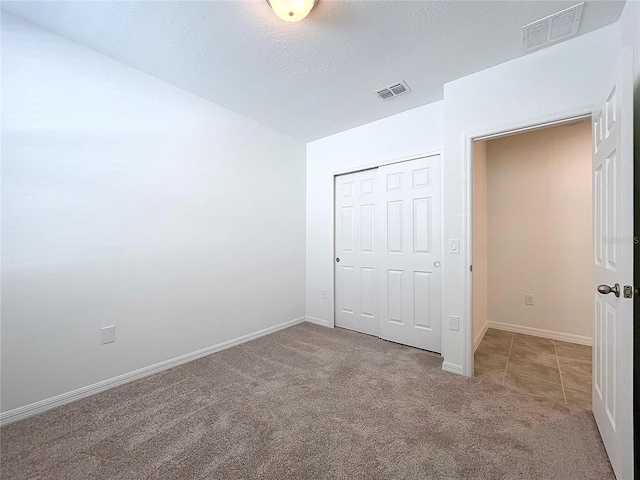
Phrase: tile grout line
(504, 375)
(538, 380)
(555, 349)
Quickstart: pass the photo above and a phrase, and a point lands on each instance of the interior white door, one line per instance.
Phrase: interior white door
(613, 266)
(356, 252)
(410, 252)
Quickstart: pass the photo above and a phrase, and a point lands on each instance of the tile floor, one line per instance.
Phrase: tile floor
(551, 369)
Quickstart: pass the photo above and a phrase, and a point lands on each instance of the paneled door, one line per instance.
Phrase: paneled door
(356, 267)
(613, 267)
(410, 252)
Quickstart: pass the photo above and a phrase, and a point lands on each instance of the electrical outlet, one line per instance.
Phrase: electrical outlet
(108, 334)
(454, 323)
(528, 299)
(324, 293)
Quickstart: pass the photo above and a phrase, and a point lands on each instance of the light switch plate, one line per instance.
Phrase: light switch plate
(528, 299)
(454, 323)
(454, 246)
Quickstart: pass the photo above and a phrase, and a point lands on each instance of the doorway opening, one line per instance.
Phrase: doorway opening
(532, 261)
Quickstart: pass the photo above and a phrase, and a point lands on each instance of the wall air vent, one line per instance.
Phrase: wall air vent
(551, 29)
(392, 90)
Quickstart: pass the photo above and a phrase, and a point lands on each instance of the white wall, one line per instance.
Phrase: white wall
(540, 235)
(410, 133)
(629, 24)
(553, 83)
(480, 248)
(128, 201)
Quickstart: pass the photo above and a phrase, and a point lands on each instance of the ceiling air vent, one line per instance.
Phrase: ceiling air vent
(551, 29)
(392, 90)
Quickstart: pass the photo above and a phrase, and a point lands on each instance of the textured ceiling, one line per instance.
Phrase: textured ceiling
(316, 77)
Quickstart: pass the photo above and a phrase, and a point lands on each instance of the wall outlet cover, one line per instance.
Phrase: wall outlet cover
(108, 334)
(454, 323)
(528, 299)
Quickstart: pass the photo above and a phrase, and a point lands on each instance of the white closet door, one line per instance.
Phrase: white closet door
(409, 239)
(356, 252)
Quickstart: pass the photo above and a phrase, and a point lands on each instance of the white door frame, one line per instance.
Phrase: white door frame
(336, 173)
(486, 133)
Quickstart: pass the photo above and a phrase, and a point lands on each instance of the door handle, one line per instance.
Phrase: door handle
(605, 289)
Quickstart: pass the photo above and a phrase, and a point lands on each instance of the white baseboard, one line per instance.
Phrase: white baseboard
(452, 367)
(59, 400)
(539, 332)
(319, 321)
(480, 336)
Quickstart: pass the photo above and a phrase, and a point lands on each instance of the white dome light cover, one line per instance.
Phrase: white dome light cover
(292, 10)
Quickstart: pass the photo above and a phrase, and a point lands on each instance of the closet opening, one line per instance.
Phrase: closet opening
(388, 251)
(532, 261)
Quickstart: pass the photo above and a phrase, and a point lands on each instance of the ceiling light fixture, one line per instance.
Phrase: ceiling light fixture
(292, 10)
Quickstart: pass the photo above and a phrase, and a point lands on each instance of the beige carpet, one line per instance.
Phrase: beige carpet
(304, 403)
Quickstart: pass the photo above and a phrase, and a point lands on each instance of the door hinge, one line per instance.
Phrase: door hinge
(471, 268)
